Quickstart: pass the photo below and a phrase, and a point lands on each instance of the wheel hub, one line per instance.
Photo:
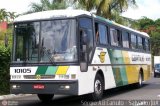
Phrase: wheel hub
(98, 87)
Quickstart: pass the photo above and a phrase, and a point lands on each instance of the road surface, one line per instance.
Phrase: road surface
(148, 95)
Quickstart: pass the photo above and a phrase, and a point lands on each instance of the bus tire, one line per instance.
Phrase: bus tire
(45, 97)
(139, 84)
(155, 75)
(98, 88)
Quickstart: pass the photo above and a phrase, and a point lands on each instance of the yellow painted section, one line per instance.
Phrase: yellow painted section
(62, 69)
(131, 70)
(147, 71)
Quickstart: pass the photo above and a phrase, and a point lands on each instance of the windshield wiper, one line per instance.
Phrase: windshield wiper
(46, 52)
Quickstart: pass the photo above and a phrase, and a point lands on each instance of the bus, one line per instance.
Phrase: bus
(74, 52)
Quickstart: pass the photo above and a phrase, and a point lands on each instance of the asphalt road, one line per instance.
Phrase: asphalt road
(148, 95)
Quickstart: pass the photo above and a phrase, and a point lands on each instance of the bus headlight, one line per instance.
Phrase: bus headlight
(64, 87)
(15, 86)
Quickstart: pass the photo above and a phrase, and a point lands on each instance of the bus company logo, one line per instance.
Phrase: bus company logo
(24, 70)
(38, 77)
(102, 57)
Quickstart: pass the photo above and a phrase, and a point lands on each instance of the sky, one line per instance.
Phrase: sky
(148, 8)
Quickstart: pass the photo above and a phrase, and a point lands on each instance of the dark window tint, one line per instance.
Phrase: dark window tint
(140, 45)
(27, 42)
(102, 34)
(58, 41)
(86, 28)
(115, 37)
(125, 39)
(147, 47)
(133, 41)
(85, 23)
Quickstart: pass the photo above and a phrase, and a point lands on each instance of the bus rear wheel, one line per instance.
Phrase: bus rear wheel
(45, 97)
(98, 88)
(140, 81)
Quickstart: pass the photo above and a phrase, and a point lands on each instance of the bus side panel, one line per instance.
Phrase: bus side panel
(86, 81)
(131, 70)
(135, 61)
(101, 61)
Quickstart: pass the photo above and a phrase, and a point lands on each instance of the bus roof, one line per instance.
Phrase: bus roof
(51, 14)
(67, 13)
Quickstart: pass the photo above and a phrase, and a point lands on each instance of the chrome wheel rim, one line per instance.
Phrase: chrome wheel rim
(98, 87)
(140, 80)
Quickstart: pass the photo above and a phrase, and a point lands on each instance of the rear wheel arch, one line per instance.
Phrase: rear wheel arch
(142, 73)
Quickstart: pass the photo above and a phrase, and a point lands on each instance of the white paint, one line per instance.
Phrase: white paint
(51, 14)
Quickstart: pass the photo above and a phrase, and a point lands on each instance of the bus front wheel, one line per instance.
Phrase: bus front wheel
(45, 97)
(98, 88)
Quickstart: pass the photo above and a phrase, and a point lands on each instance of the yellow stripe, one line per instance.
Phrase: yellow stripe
(62, 69)
(131, 71)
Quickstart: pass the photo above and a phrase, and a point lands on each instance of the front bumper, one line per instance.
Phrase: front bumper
(50, 87)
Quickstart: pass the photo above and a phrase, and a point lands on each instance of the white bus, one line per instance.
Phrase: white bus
(74, 52)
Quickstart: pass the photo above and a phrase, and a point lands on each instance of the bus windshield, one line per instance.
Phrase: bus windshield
(45, 41)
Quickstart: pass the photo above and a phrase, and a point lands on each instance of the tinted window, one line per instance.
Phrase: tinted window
(86, 28)
(27, 42)
(125, 39)
(133, 41)
(85, 23)
(58, 41)
(140, 45)
(102, 34)
(157, 66)
(115, 37)
(147, 48)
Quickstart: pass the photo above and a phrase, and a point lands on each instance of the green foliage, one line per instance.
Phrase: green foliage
(47, 5)
(153, 29)
(4, 61)
(145, 22)
(7, 16)
(4, 69)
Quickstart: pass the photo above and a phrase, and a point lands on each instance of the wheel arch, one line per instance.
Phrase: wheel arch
(142, 73)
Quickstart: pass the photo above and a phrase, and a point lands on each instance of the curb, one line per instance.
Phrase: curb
(11, 96)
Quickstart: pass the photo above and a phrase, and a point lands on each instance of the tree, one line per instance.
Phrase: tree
(47, 5)
(106, 8)
(153, 29)
(3, 15)
(12, 15)
(145, 23)
(7, 16)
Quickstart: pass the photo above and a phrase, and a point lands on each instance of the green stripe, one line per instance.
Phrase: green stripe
(51, 70)
(119, 72)
(41, 70)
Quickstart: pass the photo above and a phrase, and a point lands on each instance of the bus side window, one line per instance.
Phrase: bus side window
(115, 37)
(102, 34)
(140, 43)
(96, 33)
(133, 41)
(147, 47)
(125, 39)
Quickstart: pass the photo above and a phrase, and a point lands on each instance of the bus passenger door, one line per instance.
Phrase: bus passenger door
(86, 42)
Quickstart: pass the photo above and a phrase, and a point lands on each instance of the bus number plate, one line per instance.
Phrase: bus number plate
(38, 86)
